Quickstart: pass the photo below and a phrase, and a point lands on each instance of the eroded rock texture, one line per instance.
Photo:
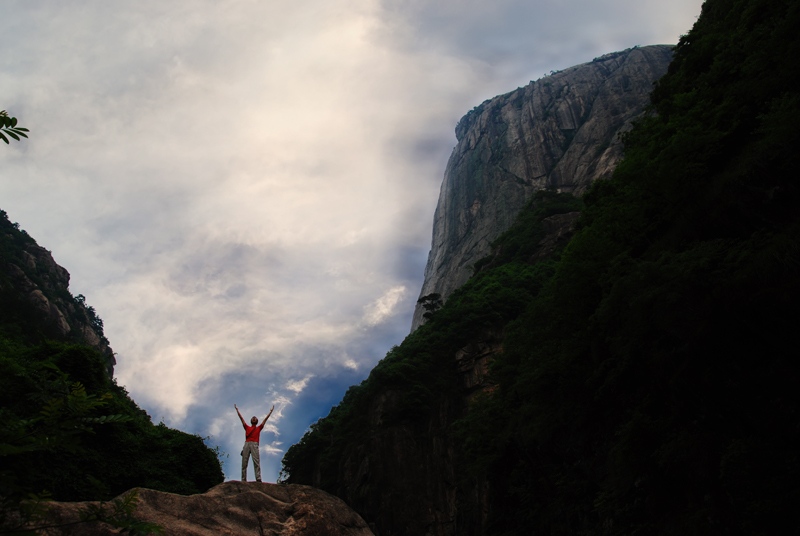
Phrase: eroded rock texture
(560, 132)
(35, 289)
(404, 476)
(231, 508)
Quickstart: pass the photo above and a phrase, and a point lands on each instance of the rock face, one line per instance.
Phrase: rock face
(404, 477)
(231, 508)
(560, 132)
(35, 288)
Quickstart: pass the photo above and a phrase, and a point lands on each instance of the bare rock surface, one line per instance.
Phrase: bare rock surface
(33, 283)
(231, 508)
(560, 132)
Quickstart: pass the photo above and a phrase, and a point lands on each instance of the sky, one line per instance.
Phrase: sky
(244, 189)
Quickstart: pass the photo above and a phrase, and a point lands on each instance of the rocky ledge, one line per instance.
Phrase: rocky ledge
(231, 508)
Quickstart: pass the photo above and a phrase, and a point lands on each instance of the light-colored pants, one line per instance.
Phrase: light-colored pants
(251, 449)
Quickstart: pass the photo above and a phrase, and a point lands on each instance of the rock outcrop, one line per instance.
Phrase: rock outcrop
(231, 508)
(560, 132)
(35, 290)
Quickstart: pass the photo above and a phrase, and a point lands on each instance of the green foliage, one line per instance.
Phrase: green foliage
(95, 321)
(431, 303)
(649, 374)
(67, 430)
(56, 398)
(522, 240)
(9, 128)
(420, 373)
(655, 365)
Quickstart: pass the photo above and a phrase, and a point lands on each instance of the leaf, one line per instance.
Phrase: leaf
(3, 138)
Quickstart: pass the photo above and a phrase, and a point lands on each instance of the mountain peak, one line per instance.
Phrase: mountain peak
(560, 132)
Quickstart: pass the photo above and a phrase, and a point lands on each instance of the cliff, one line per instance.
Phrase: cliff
(560, 133)
(60, 405)
(36, 298)
(389, 448)
(640, 380)
(231, 508)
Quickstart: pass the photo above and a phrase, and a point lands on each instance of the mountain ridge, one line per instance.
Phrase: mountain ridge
(560, 132)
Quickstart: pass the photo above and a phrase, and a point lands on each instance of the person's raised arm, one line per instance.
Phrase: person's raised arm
(240, 415)
(267, 417)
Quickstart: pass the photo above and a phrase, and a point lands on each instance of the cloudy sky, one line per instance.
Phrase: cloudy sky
(244, 189)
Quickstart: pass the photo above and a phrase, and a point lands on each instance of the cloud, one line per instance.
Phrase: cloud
(297, 386)
(244, 189)
(383, 307)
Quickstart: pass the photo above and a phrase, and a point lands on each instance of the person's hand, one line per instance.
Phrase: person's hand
(237, 407)
(273, 407)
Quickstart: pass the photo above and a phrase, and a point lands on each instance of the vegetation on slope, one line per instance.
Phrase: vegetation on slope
(68, 429)
(422, 368)
(649, 377)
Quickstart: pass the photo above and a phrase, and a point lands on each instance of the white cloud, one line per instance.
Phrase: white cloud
(383, 307)
(273, 449)
(297, 386)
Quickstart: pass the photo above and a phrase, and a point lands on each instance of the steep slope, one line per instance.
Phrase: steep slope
(642, 381)
(389, 448)
(35, 297)
(560, 132)
(66, 427)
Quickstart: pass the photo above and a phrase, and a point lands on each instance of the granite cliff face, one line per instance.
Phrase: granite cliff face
(560, 132)
(34, 289)
(404, 477)
(232, 508)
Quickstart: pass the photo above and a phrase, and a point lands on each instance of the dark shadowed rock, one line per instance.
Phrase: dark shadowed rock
(231, 508)
(560, 132)
(34, 286)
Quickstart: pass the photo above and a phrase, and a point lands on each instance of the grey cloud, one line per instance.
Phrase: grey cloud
(244, 190)
(513, 37)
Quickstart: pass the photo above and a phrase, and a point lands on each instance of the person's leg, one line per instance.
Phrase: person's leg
(245, 455)
(257, 461)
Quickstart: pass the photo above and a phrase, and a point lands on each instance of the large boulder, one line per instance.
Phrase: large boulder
(231, 508)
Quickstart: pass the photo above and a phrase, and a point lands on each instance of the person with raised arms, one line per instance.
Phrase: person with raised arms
(252, 435)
